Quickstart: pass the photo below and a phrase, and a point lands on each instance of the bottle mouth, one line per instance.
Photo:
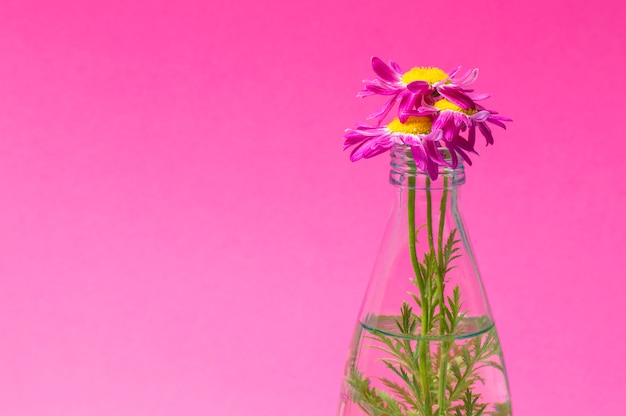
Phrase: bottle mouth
(405, 173)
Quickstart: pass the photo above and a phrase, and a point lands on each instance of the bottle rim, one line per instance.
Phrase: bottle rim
(405, 173)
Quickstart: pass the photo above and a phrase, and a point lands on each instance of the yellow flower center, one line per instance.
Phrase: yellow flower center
(414, 125)
(448, 105)
(424, 73)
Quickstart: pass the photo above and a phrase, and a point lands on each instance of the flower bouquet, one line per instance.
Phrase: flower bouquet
(425, 343)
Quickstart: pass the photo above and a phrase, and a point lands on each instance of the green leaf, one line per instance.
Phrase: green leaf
(402, 392)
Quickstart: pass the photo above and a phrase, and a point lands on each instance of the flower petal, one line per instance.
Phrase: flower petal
(478, 97)
(471, 135)
(419, 87)
(372, 148)
(405, 108)
(452, 73)
(377, 89)
(486, 131)
(481, 116)
(457, 96)
(468, 78)
(497, 122)
(464, 156)
(384, 110)
(426, 110)
(384, 71)
(418, 155)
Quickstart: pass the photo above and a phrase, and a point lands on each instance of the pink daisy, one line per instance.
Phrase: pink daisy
(416, 132)
(452, 119)
(413, 89)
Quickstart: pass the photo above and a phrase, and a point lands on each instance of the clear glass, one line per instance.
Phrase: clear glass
(425, 343)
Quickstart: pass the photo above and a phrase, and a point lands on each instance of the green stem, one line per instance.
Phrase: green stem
(429, 216)
(442, 217)
(424, 346)
(412, 236)
(445, 345)
(441, 272)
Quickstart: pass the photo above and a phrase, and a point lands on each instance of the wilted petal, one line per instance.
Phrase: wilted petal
(442, 120)
(463, 144)
(372, 148)
(432, 169)
(496, 122)
(383, 70)
(471, 135)
(384, 110)
(419, 156)
(498, 117)
(377, 89)
(481, 116)
(452, 73)
(426, 111)
(471, 78)
(478, 97)
(405, 108)
(395, 66)
(486, 131)
(464, 156)
(457, 96)
(419, 87)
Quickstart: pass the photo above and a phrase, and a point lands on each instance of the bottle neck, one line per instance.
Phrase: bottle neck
(405, 174)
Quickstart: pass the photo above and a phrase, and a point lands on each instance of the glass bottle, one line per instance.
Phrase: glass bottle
(425, 343)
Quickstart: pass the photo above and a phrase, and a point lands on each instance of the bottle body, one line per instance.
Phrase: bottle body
(425, 341)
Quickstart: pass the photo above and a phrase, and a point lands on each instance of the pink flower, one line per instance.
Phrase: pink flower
(435, 110)
(452, 120)
(417, 133)
(413, 89)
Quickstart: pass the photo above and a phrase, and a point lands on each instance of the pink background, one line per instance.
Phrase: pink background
(180, 233)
